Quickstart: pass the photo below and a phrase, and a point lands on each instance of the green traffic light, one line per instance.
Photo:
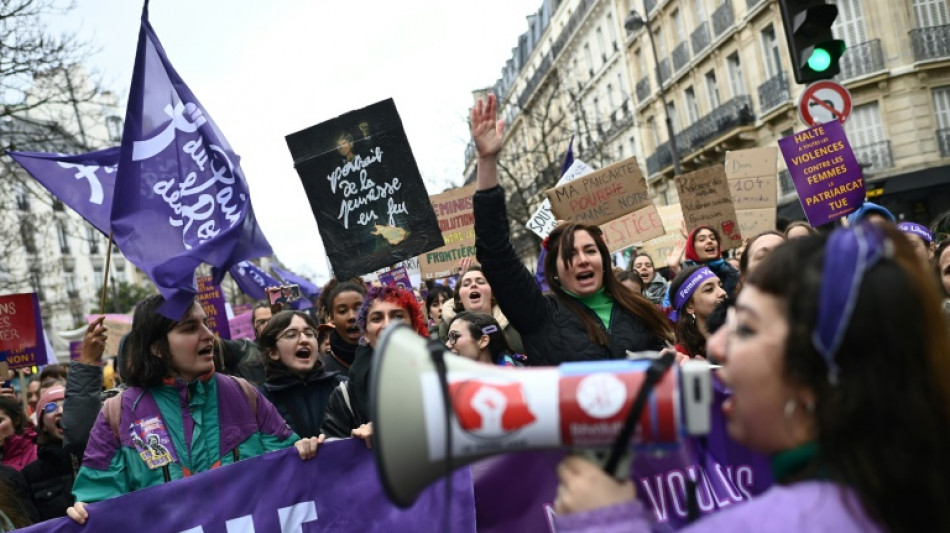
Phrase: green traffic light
(820, 60)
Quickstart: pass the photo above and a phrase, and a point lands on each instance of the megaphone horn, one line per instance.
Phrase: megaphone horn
(502, 409)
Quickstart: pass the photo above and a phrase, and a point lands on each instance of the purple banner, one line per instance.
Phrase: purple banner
(826, 174)
(212, 301)
(516, 492)
(396, 277)
(338, 490)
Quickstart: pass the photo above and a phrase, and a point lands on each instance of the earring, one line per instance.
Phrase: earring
(556, 278)
(792, 404)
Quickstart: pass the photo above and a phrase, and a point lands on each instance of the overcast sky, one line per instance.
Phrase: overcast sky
(263, 70)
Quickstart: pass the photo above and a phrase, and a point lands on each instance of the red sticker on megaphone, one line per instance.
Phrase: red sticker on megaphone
(486, 409)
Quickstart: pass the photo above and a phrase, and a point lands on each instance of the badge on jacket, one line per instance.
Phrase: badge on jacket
(152, 442)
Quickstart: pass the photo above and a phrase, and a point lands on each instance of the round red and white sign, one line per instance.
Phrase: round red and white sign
(824, 101)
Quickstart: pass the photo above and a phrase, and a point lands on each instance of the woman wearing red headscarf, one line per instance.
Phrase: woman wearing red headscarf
(703, 249)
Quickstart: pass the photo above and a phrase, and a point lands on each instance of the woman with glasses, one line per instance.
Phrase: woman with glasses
(348, 411)
(149, 434)
(478, 337)
(837, 362)
(50, 476)
(297, 383)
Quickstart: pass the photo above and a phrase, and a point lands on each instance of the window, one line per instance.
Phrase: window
(736, 82)
(678, 24)
(931, 13)
(611, 103)
(590, 59)
(712, 90)
(71, 288)
(601, 45)
(114, 127)
(97, 277)
(700, 10)
(849, 25)
(22, 196)
(36, 283)
(612, 28)
(864, 127)
(597, 111)
(28, 236)
(674, 117)
(651, 123)
(92, 235)
(942, 106)
(620, 86)
(63, 238)
(773, 61)
(641, 66)
(692, 107)
(660, 43)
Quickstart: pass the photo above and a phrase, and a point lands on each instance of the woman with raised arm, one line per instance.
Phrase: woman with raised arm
(588, 315)
(837, 361)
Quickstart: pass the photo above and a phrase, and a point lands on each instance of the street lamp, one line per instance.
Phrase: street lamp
(633, 23)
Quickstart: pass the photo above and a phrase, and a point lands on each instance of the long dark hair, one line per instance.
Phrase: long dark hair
(267, 343)
(150, 328)
(456, 293)
(14, 410)
(884, 429)
(477, 322)
(687, 330)
(937, 253)
(11, 506)
(561, 246)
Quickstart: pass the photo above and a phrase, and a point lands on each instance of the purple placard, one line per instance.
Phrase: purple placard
(37, 355)
(242, 327)
(826, 174)
(75, 350)
(212, 300)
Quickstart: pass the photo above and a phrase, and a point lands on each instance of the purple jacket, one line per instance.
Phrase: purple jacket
(805, 506)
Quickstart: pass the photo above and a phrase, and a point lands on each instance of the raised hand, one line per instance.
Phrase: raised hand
(486, 131)
(93, 343)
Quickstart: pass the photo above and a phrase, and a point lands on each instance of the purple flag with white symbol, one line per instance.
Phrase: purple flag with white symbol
(84, 182)
(306, 286)
(252, 280)
(180, 196)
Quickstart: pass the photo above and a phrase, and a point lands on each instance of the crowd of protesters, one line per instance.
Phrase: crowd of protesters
(835, 366)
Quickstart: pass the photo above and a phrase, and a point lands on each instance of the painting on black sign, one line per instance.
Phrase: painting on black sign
(364, 188)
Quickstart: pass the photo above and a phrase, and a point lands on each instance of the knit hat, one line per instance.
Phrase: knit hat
(869, 208)
(691, 241)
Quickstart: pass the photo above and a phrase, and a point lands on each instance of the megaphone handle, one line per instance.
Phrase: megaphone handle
(600, 456)
(621, 444)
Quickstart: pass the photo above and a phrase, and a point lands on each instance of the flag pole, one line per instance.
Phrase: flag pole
(105, 276)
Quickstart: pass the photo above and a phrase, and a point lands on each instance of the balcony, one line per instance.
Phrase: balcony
(752, 4)
(619, 122)
(643, 89)
(663, 72)
(680, 56)
(700, 38)
(773, 93)
(650, 5)
(861, 59)
(931, 43)
(535, 80)
(874, 156)
(722, 18)
(733, 114)
(943, 139)
(785, 183)
(69, 263)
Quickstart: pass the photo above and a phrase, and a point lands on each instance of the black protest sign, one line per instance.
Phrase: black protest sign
(366, 193)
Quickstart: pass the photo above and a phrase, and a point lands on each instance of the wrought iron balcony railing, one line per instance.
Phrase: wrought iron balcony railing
(680, 56)
(773, 92)
(700, 38)
(943, 139)
(663, 72)
(931, 43)
(643, 89)
(861, 59)
(722, 18)
(874, 156)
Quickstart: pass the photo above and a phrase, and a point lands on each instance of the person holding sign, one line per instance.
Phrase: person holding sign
(696, 291)
(588, 315)
(178, 417)
(857, 440)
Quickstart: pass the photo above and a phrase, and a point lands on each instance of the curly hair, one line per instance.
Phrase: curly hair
(400, 297)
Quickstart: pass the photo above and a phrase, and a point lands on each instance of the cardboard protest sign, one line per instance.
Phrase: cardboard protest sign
(601, 196)
(17, 322)
(212, 301)
(543, 220)
(117, 326)
(827, 176)
(754, 221)
(752, 178)
(658, 248)
(634, 228)
(365, 190)
(706, 201)
(457, 223)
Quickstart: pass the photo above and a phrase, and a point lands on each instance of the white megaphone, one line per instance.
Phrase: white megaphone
(501, 409)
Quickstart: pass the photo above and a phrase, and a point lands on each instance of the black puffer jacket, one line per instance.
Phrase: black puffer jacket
(302, 402)
(50, 478)
(343, 417)
(551, 332)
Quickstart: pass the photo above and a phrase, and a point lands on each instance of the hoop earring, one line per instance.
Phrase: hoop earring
(792, 404)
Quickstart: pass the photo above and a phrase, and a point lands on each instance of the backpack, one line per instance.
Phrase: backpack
(112, 408)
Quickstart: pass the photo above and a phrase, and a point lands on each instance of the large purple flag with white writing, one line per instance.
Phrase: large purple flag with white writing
(338, 490)
(252, 280)
(180, 195)
(84, 182)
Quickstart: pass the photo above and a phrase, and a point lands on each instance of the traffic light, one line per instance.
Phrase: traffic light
(813, 49)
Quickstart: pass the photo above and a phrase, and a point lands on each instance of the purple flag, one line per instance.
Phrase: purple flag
(306, 286)
(568, 157)
(84, 182)
(252, 280)
(338, 490)
(180, 196)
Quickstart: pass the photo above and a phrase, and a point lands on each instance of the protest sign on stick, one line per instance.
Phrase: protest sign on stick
(543, 220)
(457, 223)
(365, 190)
(211, 298)
(601, 196)
(827, 176)
(706, 201)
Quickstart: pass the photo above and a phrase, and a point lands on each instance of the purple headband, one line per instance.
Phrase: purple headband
(914, 228)
(687, 289)
(849, 254)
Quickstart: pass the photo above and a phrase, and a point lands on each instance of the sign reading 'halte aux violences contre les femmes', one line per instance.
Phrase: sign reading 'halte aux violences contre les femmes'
(826, 174)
